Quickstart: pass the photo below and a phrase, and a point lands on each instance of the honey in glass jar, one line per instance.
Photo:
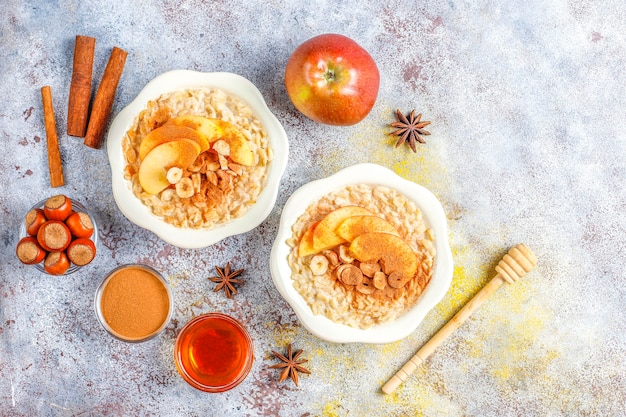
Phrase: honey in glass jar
(213, 352)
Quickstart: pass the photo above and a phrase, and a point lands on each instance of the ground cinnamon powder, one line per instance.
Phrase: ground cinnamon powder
(134, 302)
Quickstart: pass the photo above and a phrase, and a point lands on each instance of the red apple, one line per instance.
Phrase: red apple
(332, 80)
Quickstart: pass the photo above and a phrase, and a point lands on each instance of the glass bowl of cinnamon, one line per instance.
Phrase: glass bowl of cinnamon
(58, 236)
(133, 303)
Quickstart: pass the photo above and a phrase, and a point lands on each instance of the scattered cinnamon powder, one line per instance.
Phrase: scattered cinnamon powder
(134, 303)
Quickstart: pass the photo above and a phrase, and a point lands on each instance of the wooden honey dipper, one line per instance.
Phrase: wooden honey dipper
(515, 264)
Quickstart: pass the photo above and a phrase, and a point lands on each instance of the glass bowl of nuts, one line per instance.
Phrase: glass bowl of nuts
(362, 256)
(197, 157)
(58, 236)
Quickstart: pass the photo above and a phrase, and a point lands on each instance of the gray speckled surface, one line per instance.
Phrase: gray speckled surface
(527, 102)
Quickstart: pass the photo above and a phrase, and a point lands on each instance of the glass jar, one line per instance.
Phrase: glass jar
(134, 303)
(213, 352)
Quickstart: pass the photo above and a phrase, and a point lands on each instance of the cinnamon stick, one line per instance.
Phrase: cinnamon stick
(54, 154)
(80, 86)
(105, 95)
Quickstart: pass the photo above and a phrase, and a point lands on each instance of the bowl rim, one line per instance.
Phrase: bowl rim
(187, 238)
(434, 215)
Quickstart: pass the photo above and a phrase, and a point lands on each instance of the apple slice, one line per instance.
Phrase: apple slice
(325, 234)
(215, 129)
(391, 251)
(153, 169)
(203, 125)
(306, 247)
(168, 133)
(240, 151)
(354, 226)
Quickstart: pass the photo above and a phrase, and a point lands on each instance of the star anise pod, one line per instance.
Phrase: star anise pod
(226, 279)
(410, 129)
(290, 365)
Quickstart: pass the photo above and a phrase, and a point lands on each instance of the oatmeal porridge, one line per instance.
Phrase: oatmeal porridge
(212, 187)
(362, 293)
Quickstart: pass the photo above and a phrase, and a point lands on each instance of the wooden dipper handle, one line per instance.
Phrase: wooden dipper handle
(515, 264)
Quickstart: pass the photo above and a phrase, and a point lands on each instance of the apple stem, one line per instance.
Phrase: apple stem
(329, 75)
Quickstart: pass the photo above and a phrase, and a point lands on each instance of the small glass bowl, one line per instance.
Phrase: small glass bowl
(213, 352)
(133, 315)
(76, 206)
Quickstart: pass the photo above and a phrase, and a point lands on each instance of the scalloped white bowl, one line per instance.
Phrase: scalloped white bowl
(398, 329)
(141, 215)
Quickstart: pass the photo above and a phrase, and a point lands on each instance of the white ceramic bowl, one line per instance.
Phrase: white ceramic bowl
(141, 215)
(398, 329)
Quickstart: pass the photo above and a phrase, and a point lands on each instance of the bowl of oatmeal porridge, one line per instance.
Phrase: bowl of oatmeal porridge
(197, 157)
(362, 255)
